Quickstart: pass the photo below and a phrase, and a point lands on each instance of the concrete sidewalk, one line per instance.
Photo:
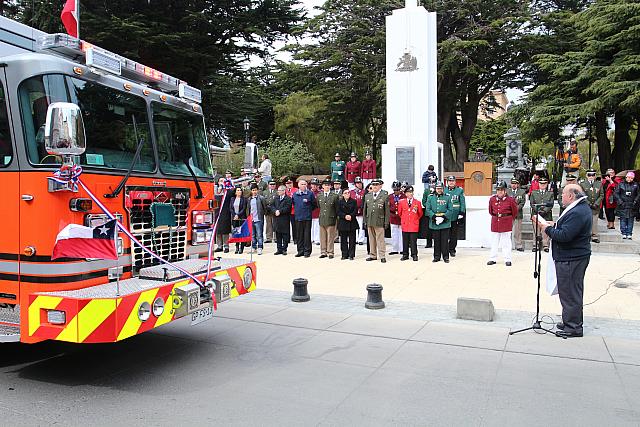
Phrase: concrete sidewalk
(467, 275)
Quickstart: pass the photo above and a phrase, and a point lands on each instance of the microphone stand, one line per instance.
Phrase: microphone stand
(537, 261)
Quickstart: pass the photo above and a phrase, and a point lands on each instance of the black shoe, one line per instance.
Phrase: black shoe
(446, 260)
(560, 325)
(595, 240)
(491, 262)
(277, 253)
(226, 250)
(546, 249)
(330, 256)
(237, 251)
(404, 258)
(452, 253)
(564, 334)
(267, 241)
(218, 250)
(323, 256)
(343, 258)
(436, 260)
(534, 249)
(371, 259)
(428, 246)
(361, 243)
(284, 252)
(383, 260)
(520, 249)
(351, 258)
(393, 253)
(307, 255)
(298, 255)
(415, 258)
(508, 263)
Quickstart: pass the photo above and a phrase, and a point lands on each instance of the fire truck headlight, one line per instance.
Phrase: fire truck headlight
(158, 307)
(144, 311)
(56, 317)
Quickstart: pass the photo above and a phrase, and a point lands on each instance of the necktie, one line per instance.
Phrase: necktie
(409, 202)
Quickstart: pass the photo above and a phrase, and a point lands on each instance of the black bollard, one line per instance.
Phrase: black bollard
(300, 293)
(374, 297)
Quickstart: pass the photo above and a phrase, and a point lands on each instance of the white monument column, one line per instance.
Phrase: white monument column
(411, 55)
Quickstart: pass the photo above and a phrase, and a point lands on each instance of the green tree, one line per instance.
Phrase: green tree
(596, 81)
(288, 157)
(489, 135)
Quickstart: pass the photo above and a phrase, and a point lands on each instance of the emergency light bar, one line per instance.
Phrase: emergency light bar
(96, 57)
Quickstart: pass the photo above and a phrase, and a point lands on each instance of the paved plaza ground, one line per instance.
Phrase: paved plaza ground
(266, 361)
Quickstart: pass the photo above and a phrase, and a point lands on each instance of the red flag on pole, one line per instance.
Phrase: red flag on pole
(69, 18)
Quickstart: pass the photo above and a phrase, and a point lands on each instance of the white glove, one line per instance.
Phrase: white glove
(460, 217)
(439, 220)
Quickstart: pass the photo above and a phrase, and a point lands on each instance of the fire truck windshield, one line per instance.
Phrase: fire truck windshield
(181, 139)
(108, 116)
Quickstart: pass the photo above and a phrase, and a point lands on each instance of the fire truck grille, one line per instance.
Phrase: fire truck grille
(168, 243)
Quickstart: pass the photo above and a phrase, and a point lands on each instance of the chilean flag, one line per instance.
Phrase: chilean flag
(77, 241)
(243, 232)
(69, 17)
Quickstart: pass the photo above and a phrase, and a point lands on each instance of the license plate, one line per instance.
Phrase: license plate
(201, 315)
(225, 292)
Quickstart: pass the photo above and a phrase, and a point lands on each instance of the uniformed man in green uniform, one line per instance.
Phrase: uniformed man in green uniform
(337, 169)
(520, 196)
(327, 203)
(593, 190)
(375, 212)
(439, 209)
(457, 213)
(571, 179)
(539, 200)
(259, 182)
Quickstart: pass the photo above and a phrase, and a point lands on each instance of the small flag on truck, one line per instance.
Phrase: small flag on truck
(69, 17)
(77, 241)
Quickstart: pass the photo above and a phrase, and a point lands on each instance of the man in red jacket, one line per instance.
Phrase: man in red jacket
(354, 169)
(503, 210)
(368, 169)
(410, 212)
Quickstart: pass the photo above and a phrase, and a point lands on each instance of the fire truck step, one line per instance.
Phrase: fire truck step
(9, 333)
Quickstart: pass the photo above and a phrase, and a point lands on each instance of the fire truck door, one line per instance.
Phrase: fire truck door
(9, 194)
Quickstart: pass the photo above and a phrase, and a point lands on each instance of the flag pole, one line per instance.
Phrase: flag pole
(78, 18)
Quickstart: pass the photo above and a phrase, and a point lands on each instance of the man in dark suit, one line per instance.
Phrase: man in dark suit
(571, 250)
(281, 209)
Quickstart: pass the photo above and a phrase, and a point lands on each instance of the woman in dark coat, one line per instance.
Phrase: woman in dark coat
(224, 220)
(627, 195)
(238, 207)
(347, 224)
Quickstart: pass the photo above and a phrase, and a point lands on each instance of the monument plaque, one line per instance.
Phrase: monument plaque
(405, 164)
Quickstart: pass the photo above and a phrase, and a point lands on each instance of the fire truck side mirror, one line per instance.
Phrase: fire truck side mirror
(64, 130)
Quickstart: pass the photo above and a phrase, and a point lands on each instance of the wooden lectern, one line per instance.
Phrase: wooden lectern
(478, 178)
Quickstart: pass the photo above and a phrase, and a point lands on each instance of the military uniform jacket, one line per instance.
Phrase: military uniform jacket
(262, 186)
(520, 196)
(368, 169)
(539, 197)
(439, 205)
(358, 196)
(328, 206)
(376, 211)
(457, 201)
(394, 218)
(353, 169)
(268, 198)
(503, 211)
(594, 193)
(337, 170)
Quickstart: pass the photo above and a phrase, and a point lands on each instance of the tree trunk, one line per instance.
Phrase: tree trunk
(602, 140)
(622, 142)
(633, 154)
(443, 137)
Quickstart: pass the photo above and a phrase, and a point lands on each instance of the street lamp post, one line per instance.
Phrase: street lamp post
(247, 125)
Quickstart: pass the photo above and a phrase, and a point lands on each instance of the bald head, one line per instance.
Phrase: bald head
(571, 193)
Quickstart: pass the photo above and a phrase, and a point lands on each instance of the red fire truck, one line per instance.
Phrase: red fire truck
(138, 137)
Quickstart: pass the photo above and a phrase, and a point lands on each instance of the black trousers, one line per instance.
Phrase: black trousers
(429, 238)
(441, 243)
(303, 237)
(453, 236)
(570, 276)
(611, 214)
(282, 241)
(409, 240)
(348, 243)
(293, 234)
